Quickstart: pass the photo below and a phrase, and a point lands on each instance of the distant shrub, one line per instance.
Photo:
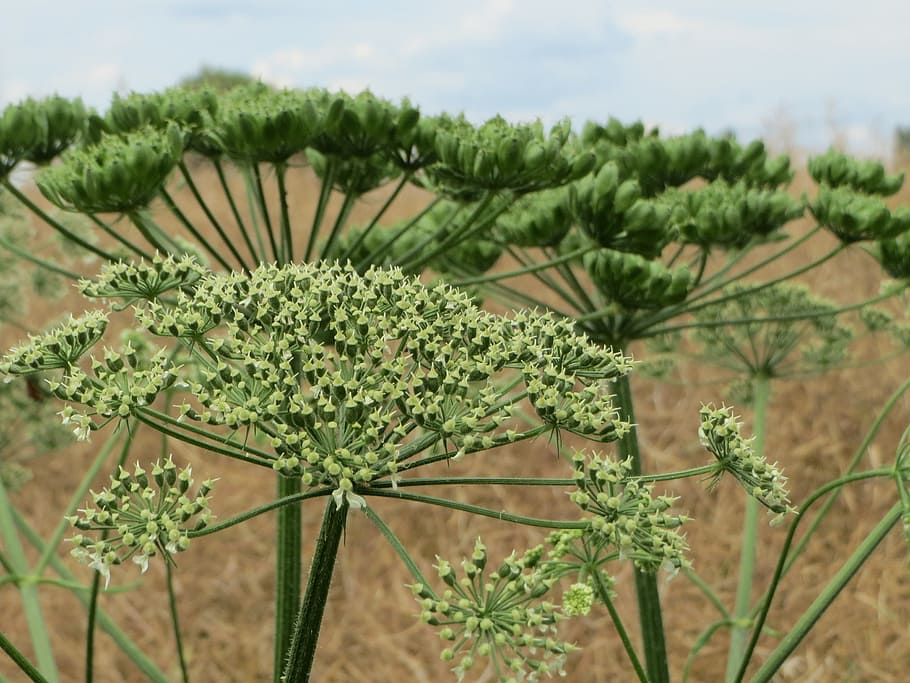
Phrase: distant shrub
(217, 79)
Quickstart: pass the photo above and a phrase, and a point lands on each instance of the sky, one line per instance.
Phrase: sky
(805, 73)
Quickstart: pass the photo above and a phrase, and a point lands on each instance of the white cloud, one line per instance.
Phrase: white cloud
(15, 92)
(652, 23)
(362, 51)
(103, 76)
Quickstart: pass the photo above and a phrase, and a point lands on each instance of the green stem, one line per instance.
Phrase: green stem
(126, 645)
(792, 317)
(260, 510)
(649, 611)
(261, 255)
(494, 277)
(120, 238)
(187, 176)
(56, 225)
(385, 246)
(264, 211)
(20, 660)
(302, 650)
(287, 239)
(468, 481)
(175, 621)
(91, 619)
(782, 563)
(152, 233)
(526, 262)
(474, 509)
(239, 220)
(690, 305)
(55, 540)
(325, 192)
(739, 634)
(418, 256)
(851, 467)
(145, 415)
(397, 545)
(603, 592)
(708, 592)
(44, 653)
(288, 570)
(375, 221)
(41, 263)
(340, 221)
(809, 618)
(188, 224)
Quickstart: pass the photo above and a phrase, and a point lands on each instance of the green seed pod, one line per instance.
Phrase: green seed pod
(118, 175)
(635, 282)
(258, 125)
(836, 169)
(729, 217)
(541, 219)
(498, 156)
(854, 217)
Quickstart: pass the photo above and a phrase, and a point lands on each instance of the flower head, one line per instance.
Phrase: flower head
(143, 514)
(498, 615)
(625, 512)
(720, 433)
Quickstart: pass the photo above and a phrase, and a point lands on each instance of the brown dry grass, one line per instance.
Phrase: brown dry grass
(371, 632)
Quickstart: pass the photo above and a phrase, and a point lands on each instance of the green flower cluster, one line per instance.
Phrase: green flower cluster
(348, 377)
(775, 331)
(116, 387)
(729, 216)
(38, 130)
(500, 616)
(625, 512)
(353, 376)
(140, 520)
(612, 211)
(855, 217)
(636, 283)
(720, 434)
(659, 163)
(142, 280)
(499, 156)
(541, 219)
(60, 348)
(118, 174)
(836, 169)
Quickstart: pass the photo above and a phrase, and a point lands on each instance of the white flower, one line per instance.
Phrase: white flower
(101, 567)
(143, 561)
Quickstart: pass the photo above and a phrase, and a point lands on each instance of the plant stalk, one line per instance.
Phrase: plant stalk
(739, 634)
(302, 651)
(805, 623)
(288, 570)
(649, 612)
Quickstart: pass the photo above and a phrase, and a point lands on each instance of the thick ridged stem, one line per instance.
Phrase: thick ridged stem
(288, 570)
(739, 635)
(649, 612)
(302, 651)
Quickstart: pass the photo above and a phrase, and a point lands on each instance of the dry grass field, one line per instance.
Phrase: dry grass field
(371, 632)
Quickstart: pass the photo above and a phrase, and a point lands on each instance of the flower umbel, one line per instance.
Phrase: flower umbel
(720, 433)
(625, 512)
(500, 616)
(141, 519)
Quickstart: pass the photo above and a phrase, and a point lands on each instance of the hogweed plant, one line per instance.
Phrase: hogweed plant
(309, 349)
